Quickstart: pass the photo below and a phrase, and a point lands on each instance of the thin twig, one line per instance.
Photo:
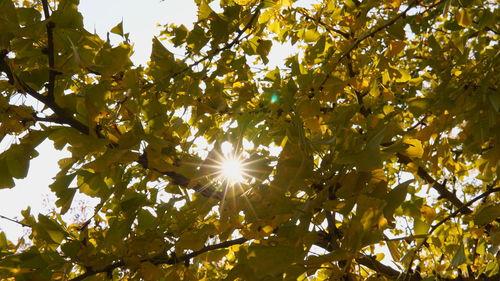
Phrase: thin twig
(14, 221)
(373, 32)
(330, 29)
(450, 216)
(225, 47)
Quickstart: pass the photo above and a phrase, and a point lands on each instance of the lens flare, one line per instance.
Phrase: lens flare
(232, 170)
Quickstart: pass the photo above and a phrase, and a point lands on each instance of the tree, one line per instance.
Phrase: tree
(387, 120)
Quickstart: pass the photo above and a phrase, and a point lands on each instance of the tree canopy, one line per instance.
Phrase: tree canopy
(380, 132)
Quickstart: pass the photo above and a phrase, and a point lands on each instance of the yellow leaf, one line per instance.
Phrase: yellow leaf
(394, 250)
(275, 27)
(151, 272)
(267, 229)
(405, 76)
(414, 149)
(377, 175)
(428, 213)
(395, 47)
(242, 2)
(395, 3)
(463, 18)
(379, 256)
(284, 3)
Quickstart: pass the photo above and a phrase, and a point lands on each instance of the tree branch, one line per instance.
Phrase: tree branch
(439, 187)
(225, 47)
(373, 32)
(14, 221)
(460, 210)
(164, 261)
(330, 29)
(182, 180)
(452, 215)
(62, 117)
(387, 271)
(377, 266)
(50, 103)
(50, 51)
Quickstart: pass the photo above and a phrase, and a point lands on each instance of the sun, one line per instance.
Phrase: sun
(232, 170)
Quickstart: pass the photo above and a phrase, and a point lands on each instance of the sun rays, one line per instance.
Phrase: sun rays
(232, 170)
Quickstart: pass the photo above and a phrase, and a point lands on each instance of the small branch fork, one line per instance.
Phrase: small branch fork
(226, 46)
(164, 261)
(450, 216)
(375, 31)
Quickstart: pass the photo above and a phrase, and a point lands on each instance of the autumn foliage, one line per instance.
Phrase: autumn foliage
(370, 154)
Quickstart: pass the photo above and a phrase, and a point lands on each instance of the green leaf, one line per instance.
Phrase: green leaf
(395, 198)
(336, 255)
(118, 229)
(394, 250)
(420, 228)
(28, 16)
(459, 257)
(266, 260)
(263, 50)
(92, 184)
(213, 256)
(6, 180)
(204, 10)
(65, 194)
(487, 214)
(145, 220)
(8, 23)
(112, 60)
(53, 229)
(118, 29)
(18, 160)
(67, 15)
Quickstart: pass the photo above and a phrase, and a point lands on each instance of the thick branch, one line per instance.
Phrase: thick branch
(377, 266)
(167, 261)
(50, 103)
(389, 272)
(460, 210)
(440, 188)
